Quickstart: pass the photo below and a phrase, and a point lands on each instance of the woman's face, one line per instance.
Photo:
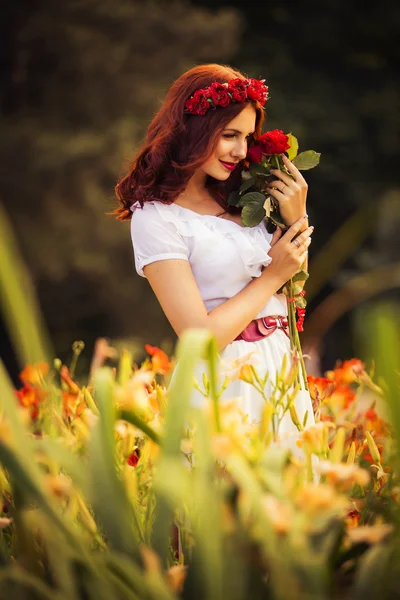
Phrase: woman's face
(232, 145)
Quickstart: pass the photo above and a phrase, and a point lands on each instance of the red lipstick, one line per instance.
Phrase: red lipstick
(228, 165)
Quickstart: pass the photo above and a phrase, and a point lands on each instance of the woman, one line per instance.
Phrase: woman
(205, 268)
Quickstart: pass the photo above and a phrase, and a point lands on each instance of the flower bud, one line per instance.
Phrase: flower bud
(373, 448)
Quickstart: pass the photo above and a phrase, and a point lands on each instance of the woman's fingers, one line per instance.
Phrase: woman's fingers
(303, 237)
(276, 235)
(295, 228)
(283, 178)
(278, 194)
(293, 170)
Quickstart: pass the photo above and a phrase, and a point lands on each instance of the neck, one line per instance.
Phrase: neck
(196, 187)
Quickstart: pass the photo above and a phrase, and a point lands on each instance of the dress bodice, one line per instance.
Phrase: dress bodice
(223, 255)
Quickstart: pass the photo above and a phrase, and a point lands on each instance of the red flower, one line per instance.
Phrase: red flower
(349, 371)
(371, 415)
(257, 90)
(343, 395)
(34, 373)
(320, 387)
(198, 104)
(159, 360)
(274, 142)
(30, 397)
(238, 90)
(219, 94)
(255, 154)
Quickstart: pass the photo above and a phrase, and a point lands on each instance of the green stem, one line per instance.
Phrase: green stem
(213, 380)
(303, 367)
(294, 336)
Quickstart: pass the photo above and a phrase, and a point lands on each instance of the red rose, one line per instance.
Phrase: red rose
(237, 89)
(274, 142)
(198, 105)
(219, 94)
(255, 154)
(257, 90)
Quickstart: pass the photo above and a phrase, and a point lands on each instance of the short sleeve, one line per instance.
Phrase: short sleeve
(154, 239)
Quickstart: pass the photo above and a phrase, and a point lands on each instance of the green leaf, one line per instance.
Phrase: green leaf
(20, 307)
(137, 421)
(300, 276)
(234, 198)
(336, 452)
(247, 183)
(194, 345)
(297, 289)
(373, 570)
(294, 147)
(26, 478)
(301, 302)
(253, 214)
(256, 168)
(251, 198)
(307, 160)
(104, 488)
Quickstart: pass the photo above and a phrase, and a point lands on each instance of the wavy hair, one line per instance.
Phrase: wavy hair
(177, 144)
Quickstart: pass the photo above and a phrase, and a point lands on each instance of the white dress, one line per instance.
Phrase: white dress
(224, 257)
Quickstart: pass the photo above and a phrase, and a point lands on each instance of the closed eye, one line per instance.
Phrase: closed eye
(229, 136)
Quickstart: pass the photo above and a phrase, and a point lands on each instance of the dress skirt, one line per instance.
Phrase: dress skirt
(266, 355)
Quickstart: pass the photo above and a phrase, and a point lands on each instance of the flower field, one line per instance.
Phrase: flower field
(114, 486)
(118, 488)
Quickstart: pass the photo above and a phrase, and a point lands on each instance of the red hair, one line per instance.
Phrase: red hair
(177, 144)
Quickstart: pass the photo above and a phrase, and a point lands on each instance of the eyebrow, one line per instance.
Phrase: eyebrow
(237, 130)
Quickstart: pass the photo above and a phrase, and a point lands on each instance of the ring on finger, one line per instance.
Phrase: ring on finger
(297, 243)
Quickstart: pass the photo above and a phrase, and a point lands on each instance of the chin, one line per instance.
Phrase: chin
(220, 176)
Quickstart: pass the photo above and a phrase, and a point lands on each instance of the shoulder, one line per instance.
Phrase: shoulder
(141, 214)
(153, 211)
(155, 235)
(153, 216)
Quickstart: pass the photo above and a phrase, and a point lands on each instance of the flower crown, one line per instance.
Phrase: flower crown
(223, 94)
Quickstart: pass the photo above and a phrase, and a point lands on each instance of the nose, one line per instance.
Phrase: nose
(240, 150)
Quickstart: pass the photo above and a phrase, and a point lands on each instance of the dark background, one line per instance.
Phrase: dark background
(80, 82)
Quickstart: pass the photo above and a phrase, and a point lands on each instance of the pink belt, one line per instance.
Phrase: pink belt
(258, 329)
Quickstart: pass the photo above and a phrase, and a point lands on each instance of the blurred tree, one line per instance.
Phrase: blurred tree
(84, 80)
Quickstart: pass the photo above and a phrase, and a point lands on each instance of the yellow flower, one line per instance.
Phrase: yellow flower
(315, 436)
(59, 485)
(315, 499)
(222, 445)
(240, 368)
(34, 374)
(278, 513)
(343, 475)
(4, 522)
(187, 446)
(176, 576)
(372, 534)
(134, 395)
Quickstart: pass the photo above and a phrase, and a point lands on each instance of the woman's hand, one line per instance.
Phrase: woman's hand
(289, 254)
(291, 193)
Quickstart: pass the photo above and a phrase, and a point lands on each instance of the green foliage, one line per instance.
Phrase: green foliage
(294, 147)
(307, 160)
(252, 523)
(253, 212)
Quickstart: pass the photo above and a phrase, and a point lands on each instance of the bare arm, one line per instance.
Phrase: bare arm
(176, 289)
